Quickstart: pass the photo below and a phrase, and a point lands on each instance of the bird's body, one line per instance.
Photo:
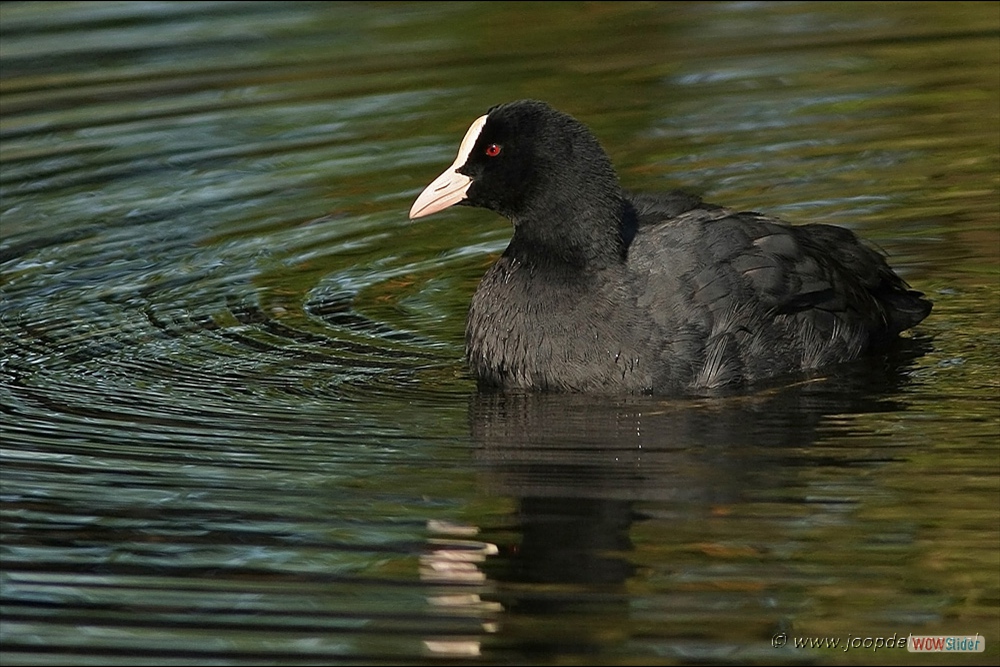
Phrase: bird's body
(603, 291)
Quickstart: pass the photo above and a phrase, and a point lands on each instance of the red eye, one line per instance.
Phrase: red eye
(493, 150)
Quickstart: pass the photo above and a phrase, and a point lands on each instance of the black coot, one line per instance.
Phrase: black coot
(605, 291)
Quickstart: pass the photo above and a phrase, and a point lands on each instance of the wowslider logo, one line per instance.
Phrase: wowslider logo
(945, 644)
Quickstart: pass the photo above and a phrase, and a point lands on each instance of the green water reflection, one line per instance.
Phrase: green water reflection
(236, 424)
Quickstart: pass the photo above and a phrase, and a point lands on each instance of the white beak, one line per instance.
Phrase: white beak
(450, 187)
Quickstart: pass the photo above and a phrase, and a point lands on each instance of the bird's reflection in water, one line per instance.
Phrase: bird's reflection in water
(453, 561)
(585, 469)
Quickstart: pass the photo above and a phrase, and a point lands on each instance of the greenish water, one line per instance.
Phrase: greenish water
(236, 425)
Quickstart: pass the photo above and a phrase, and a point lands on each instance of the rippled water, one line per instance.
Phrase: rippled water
(236, 423)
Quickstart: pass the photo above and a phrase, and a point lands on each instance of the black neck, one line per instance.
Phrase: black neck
(576, 236)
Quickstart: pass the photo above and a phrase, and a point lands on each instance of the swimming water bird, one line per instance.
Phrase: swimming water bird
(605, 291)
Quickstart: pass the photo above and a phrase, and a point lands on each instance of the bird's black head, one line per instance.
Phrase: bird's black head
(543, 170)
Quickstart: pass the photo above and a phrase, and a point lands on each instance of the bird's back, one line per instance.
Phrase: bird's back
(736, 297)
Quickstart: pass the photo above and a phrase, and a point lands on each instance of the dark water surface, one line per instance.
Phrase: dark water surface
(236, 423)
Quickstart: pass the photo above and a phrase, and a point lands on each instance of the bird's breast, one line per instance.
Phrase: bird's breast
(527, 330)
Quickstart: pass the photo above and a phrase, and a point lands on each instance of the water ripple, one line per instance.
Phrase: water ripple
(236, 423)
